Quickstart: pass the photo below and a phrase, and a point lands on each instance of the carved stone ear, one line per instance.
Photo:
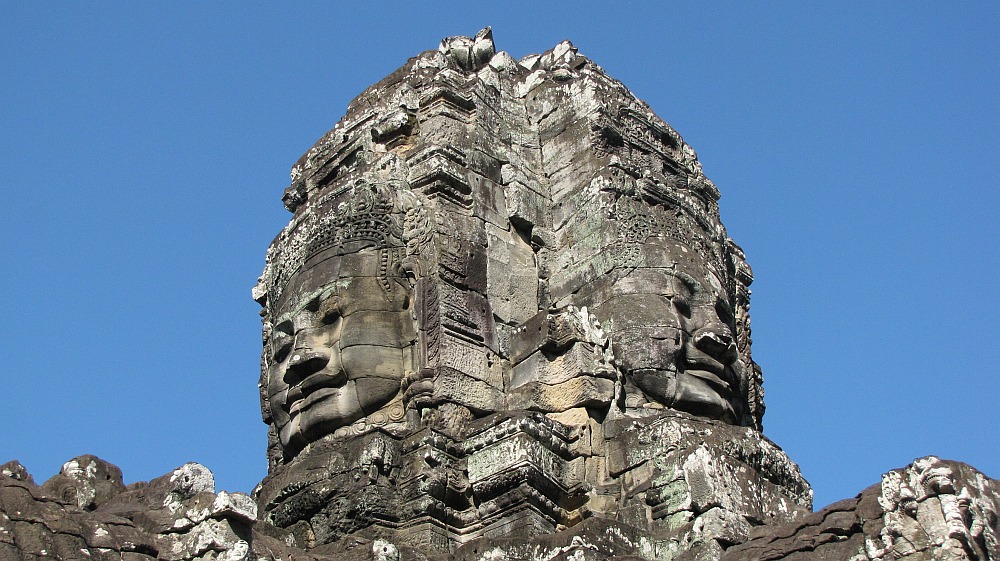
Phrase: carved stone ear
(409, 268)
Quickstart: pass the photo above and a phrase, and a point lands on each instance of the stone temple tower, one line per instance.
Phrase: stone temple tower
(505, 308)
(504, 323)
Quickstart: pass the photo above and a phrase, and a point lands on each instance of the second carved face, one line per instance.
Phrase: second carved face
(673, 329)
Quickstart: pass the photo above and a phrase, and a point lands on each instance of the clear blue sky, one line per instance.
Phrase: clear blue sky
(146, 147)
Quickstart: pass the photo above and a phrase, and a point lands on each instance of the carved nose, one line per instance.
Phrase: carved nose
(304, 362)
(717, 342)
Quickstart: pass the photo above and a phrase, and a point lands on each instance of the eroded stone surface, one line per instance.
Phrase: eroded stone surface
(931, 509)
(505, 306)
(85, 512)
(554, 244)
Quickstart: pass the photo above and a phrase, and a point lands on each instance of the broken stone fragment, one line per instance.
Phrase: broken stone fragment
(86, 481)
(15, 470)
(470, 54)
(930, 510)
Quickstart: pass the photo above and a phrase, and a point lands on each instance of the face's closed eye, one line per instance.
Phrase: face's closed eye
(281, 341)
(328, 311)
(682, 306)
(725, 311)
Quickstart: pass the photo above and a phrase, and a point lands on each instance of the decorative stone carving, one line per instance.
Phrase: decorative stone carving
(636, 244)
(505, 306)
(931, 509)
(340, 330)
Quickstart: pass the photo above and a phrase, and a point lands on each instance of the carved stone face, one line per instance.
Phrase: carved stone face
(673, 333)
(341, 340)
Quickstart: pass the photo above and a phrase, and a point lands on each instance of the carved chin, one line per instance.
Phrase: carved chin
(319, 414)
(699, 393)
(659, 385)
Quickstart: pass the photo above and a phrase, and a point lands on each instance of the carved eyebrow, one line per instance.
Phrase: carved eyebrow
(312, 303)
(693, 287)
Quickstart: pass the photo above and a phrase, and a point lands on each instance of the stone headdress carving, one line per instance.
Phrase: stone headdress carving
(381, 211)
